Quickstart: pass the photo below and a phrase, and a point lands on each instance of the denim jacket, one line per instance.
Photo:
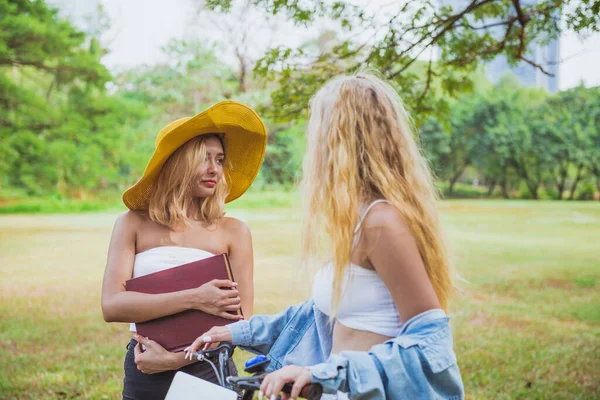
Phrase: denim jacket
(417, 364)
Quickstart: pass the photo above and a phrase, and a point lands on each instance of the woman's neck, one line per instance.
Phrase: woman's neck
(193, 209)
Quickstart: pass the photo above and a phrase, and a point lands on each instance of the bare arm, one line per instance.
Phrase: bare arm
(156, 359)
(241, 256)
(119, 305)
(392, 250)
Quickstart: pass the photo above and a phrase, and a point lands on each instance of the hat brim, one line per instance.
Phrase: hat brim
(245, 140)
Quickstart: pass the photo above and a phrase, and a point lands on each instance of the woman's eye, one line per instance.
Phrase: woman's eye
(220, 160)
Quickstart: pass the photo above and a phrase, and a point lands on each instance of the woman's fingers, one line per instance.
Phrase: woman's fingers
(302, 381)
(215, 334)
(235, 317)
(193, 347)
(143, 340)
(232, 301)
(137, 351)
(233, 307)
(273, 383)
(229, 295)
(220, 283)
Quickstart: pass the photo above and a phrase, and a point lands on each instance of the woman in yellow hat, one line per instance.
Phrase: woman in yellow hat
(176, 216)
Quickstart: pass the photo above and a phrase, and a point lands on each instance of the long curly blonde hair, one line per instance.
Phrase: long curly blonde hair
(360, 147)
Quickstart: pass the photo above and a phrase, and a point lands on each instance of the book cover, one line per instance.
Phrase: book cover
(176, 332)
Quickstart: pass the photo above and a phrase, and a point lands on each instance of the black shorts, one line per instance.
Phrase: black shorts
(139, 386)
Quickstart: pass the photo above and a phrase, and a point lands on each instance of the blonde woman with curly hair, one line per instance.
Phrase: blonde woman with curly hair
(376, 325)
(176, 216)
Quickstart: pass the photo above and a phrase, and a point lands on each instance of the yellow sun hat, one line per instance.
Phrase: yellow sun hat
(245, 138)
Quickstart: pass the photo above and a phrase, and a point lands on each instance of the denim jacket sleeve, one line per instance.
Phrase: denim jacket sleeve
(418, 364)
(259, 333)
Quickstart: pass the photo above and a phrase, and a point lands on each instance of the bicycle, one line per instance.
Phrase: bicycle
(186, 385)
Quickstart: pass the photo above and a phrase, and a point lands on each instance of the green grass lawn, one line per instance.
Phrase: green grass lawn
(526, 322)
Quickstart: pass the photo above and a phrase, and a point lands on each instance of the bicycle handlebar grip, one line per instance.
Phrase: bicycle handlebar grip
(312, 391)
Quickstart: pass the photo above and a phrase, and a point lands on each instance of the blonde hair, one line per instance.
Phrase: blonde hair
(171, 196)
(361, 147)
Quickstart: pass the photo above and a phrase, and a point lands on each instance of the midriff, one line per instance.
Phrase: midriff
(345, 338)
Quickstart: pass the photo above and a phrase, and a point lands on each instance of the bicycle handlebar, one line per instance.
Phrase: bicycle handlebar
(312, 391)
(214, 353)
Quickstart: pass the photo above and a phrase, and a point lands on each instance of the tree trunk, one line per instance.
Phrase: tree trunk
(576, 182)
(533, 188)
(504, 187)
(561, 182)
(455, 177)
(491, 187)
(534, 192)
(595, 170)
(532, 185)
(50, 88)
(503, 184)
(242, 72)
(451, 185)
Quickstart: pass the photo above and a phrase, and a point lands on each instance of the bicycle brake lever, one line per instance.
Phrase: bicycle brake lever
(214, 353)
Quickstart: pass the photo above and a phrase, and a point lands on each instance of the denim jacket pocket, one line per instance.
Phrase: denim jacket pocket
(438, 350)
(435, 349)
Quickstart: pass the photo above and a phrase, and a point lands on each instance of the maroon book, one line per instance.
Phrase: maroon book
(176, 332)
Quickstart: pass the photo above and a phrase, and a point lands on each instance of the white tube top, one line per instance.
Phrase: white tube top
(164, 257)
(366, 303)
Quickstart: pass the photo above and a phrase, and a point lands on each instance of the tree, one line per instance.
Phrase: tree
(60, 130)
(579, 108)
(452, 148)
(243, 35)
(36, 43)
(492, 157)
(394, 38)
(193, 78)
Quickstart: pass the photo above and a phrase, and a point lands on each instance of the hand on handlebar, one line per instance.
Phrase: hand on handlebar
(273, 383)
(215, 335)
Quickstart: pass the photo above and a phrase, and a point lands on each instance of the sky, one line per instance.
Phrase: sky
(139, 28)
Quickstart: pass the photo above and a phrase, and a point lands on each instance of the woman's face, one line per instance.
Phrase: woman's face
(209, 172)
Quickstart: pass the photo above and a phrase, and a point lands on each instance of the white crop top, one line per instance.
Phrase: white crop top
(366, 303)
(164, 257)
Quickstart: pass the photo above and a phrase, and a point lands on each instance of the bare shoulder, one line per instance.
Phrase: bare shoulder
(125, 231)
(129, 222)
(384, 218)
(131, 218)
(235, 227)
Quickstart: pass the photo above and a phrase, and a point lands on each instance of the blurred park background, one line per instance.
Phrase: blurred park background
(505, 98)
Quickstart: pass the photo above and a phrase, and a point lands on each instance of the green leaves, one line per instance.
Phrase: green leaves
(393, 39)
(511, 135)
(585, 17)
(33, 35)
(60, 130)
